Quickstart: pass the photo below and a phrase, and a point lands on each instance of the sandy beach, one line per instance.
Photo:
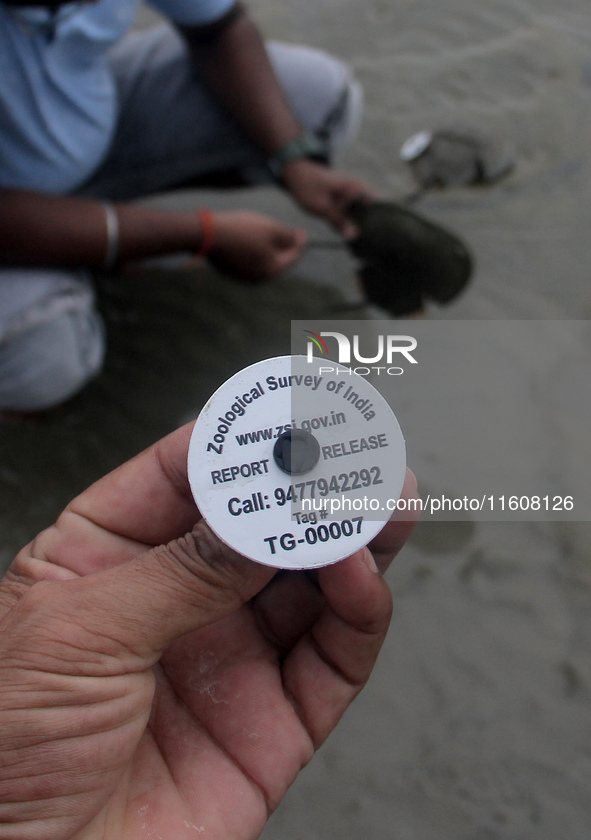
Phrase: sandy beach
(476, 724)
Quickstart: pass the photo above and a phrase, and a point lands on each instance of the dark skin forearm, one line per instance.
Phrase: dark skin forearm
(37, 229)
(236, 68)
(232, 59)
(42, 229)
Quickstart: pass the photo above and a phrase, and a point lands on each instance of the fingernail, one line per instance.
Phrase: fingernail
(414, 484)
(370, 562)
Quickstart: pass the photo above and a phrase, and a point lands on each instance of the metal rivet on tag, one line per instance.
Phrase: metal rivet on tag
(296, 452)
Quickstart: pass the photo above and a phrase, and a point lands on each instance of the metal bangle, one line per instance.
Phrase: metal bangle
(112, 247)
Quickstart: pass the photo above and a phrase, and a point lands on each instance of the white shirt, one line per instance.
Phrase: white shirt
(58, 104)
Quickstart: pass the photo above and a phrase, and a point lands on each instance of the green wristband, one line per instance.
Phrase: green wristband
(303, 146)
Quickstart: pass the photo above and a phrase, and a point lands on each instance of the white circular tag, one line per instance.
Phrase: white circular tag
(293, 462)
(415, 146)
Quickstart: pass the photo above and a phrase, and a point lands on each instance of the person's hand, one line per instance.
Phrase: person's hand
(160, 685)
(252, 247)
(325, 192)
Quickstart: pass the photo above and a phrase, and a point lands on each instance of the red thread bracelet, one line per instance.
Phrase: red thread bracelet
(207, 222)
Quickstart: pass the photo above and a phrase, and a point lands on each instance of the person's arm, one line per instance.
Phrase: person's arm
(42, 229)
(232, 58)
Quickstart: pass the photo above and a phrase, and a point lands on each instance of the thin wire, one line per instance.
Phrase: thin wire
(327, 243)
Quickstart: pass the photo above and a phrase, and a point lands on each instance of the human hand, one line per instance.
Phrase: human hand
(252, 247)
(160, 685)
(325, 192)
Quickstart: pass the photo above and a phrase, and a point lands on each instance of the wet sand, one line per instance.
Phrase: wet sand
(477, 722)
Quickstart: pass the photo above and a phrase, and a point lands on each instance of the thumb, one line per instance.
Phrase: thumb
(135, 610)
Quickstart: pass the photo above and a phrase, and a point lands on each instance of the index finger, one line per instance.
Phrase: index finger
(329, 665)
(396, 532)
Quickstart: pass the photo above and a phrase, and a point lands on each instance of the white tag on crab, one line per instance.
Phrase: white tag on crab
(296, 466)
